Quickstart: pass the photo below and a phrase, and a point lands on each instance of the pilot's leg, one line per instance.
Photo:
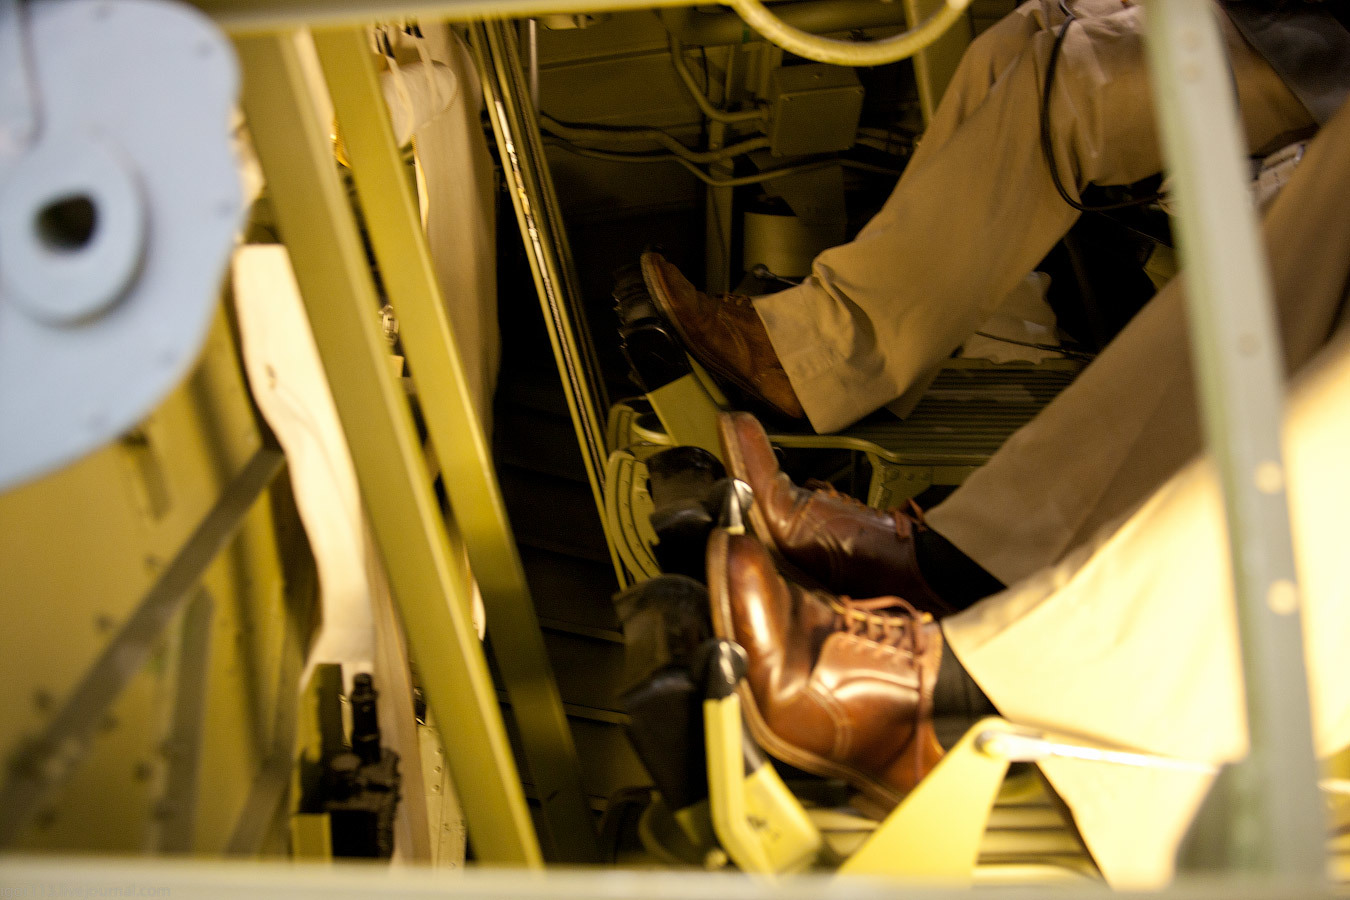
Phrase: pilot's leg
(976, 209)
(1133, 641)
(1130, 419)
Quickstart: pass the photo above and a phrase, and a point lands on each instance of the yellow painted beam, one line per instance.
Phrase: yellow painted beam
(462, 448)
(246, 17)
(429, 581)
(936, 63)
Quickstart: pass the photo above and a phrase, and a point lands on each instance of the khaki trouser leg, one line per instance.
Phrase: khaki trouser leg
(976, 208)
(1130, 420)
(1133, 641)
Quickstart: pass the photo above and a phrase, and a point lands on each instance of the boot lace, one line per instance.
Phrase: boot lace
(891, 621)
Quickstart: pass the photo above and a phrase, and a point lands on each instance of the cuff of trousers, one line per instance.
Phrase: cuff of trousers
(836, 388)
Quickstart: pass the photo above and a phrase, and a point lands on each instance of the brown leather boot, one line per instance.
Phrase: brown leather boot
(832, 686)
(834, 539)
(724, 333)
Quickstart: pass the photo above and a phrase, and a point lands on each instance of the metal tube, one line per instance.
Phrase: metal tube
(531, 190)
(45, 762)
(574, 325)
(1273, 819)
(532, 54)
(708, 28)
(1023, 746)
(701, 99)
(575, 133)
(718, 198)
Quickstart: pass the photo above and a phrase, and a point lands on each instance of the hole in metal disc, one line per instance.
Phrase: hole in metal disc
(67, 225)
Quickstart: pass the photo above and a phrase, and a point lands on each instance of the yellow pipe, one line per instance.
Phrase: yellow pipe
(848, 53)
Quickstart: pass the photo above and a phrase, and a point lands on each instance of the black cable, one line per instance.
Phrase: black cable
(1047, 146)
(1050, 348)
(763, 273)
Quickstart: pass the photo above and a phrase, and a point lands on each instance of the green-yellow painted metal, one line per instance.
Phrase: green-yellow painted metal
(758, 821)
(456, 433)
(430, 583)
(935, 834)
(688, 413)
(726, 772)
(936, 63)
(69, 734)
(81, 549)
(312, 837)
(243, 17)
(1263, 815)
(628, 509)
(318, 735)
(695, 822)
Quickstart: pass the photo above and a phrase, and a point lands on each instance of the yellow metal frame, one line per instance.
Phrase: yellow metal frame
(428, 578)
(934, 834)
(936, 63)
(457, 435)
(689, 413)
(628, 509)
(756, 818)
(426, 573)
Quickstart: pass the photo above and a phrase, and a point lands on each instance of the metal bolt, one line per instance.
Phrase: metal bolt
(1269, 477)
(1282, 598)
